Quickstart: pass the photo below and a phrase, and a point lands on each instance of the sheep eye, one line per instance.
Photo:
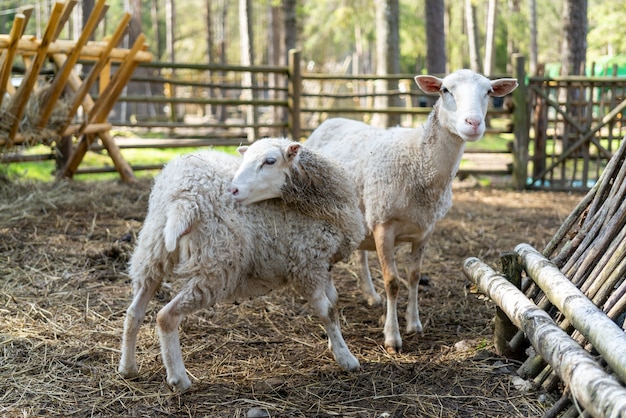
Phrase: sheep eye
(444, 90)
(269, 161)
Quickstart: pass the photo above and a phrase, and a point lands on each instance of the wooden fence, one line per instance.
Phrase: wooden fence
(564, 129)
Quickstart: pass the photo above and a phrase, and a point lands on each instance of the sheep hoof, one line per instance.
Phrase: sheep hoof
(128, 372)
(374, 300)
(350, 364)
(415, 328)
(179, 385)
(394, 349)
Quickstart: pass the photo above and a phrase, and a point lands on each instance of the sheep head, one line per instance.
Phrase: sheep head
(464, 97)
(264, 168)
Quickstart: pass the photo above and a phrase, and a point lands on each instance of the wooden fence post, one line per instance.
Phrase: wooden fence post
(295, 93)
(504, 329)
(520, 123)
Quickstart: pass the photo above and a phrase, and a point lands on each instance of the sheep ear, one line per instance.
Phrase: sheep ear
(429, 83)
(503, 86)
(242, 149)
(292, 150)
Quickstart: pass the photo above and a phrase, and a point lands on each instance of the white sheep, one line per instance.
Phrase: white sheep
(404, 179)
(204, 230)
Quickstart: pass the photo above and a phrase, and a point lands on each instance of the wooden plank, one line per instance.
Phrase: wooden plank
(5, 70)
(106, 101)
(27, 11)
(65, 15)
(18, 103)
(28, 46)
(82, 89)
(58, 84)
(99, 113)
(123, 168)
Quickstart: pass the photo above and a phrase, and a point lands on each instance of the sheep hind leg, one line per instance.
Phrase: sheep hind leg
(365, 280)
(135, 315)
(413, 323)
(168, 320)
(324, 302)
(384, 236)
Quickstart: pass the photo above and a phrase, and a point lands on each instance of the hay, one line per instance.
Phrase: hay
(32, 135)
(64, 292)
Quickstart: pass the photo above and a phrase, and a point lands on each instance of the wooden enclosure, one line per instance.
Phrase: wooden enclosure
(571, 303)
(563, 130)
(44, 97)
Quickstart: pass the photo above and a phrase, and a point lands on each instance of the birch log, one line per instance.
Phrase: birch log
(607, 338)
(600, 393)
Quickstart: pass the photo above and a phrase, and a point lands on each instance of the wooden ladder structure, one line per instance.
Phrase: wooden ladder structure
(55, 117)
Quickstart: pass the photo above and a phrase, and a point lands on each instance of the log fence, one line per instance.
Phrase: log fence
(575, 285)
(562, 130)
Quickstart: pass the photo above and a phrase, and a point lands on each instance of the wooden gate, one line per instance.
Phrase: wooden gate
(576, 124)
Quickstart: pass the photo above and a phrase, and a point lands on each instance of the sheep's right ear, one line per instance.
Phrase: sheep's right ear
(429, 84)
(242, 149)
(292, 150)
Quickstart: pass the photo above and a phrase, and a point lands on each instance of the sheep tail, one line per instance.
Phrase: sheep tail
(180, 217)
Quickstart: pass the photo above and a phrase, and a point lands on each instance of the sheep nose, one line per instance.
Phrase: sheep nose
(475, 122)
(233, 190)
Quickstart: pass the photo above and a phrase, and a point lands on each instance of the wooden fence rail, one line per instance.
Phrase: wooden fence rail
(560, 141)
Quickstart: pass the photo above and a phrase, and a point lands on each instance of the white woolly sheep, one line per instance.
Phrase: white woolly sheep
(404, 179)
(223, 250)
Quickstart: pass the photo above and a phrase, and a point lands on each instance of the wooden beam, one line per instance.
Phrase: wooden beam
(81, 92)
(28, 46)
(65, 15)
(600, 393)
(58, 84)
(20, 98)
(5, 69)
(106, 101)
(607, 338)
(99, 113)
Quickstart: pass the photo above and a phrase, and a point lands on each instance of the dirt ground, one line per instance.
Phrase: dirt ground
(64, 292)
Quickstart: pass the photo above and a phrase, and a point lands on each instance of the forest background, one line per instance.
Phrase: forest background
(386, 36)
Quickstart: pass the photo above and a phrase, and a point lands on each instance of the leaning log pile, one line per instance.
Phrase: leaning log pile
(571, 303)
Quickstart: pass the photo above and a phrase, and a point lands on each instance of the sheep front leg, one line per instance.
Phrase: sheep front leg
(413, 323)
(134, 317)
(324, 302)
(365, 280)
(384, 236)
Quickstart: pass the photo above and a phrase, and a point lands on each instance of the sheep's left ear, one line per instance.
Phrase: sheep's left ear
(503, 86)
(292, 150)
(242, 149)
(429, 84)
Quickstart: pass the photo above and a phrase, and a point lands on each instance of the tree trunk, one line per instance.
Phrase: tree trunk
(387, 59)
(490, 39)
(435, 37)
(275, 57)
(291, 29)
(472, 35)
(533, 53)
(247, 58)
(156, 38)
(511, 47)
(87, 8)
(170, 27)
(574, 50)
